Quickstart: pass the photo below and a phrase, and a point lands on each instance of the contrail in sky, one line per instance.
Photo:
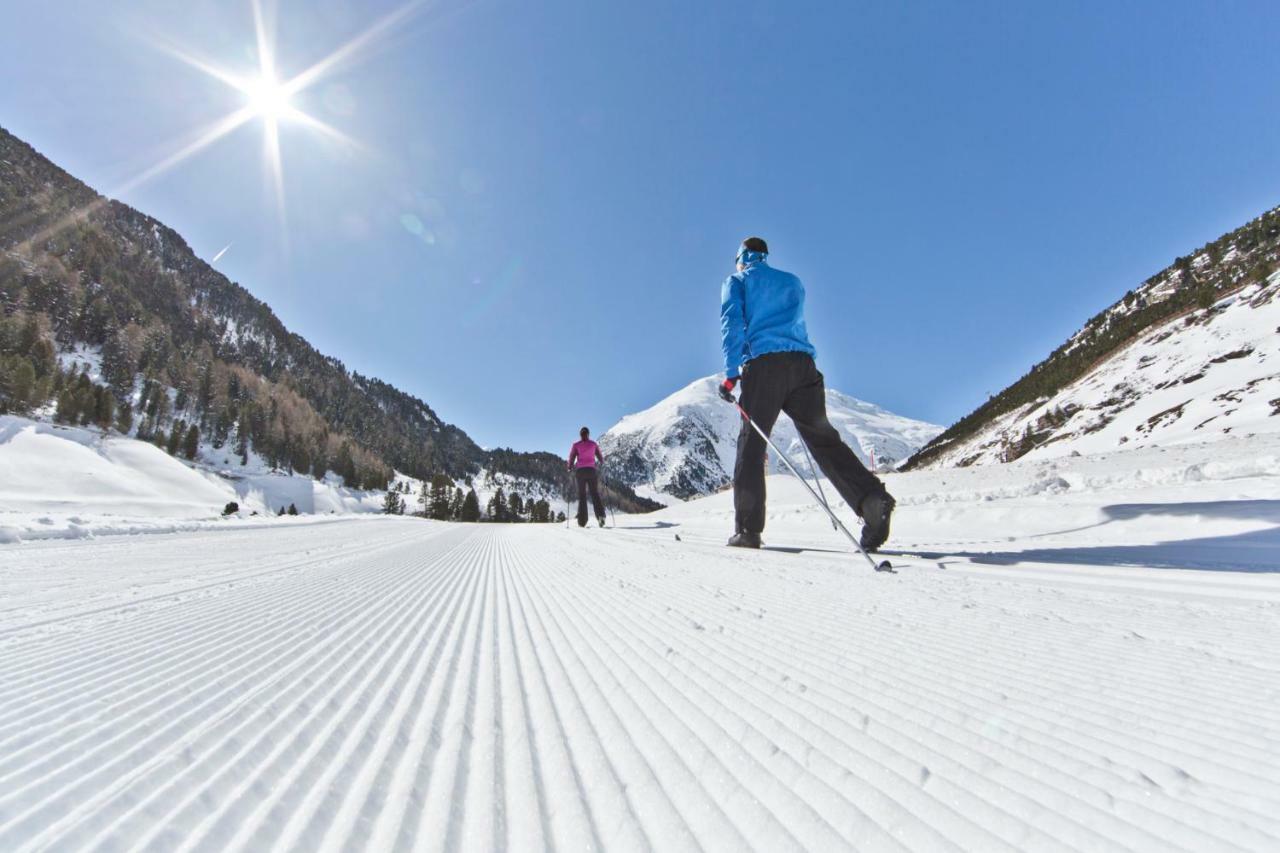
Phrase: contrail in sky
(220, 254)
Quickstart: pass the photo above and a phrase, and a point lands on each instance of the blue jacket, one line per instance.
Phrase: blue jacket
(761, 311)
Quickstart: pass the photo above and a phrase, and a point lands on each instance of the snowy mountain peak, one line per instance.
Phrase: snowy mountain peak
(684, 445)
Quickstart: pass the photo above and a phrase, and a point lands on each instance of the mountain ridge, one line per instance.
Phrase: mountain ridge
(1198, 299)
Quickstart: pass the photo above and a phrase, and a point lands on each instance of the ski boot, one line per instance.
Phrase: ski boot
(875, 509)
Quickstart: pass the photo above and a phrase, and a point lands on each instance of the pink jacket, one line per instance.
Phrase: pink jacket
(583, 453)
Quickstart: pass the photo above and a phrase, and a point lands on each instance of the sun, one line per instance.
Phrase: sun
(268, 98)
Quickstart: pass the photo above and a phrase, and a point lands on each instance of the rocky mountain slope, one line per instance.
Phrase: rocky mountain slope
(1191, 354)
(683, 446)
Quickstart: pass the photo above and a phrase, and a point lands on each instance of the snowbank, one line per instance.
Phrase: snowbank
(72, 482)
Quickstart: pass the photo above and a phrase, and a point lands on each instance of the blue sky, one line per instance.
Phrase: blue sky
(532, 229)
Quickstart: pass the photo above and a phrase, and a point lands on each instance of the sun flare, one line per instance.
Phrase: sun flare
(268, 98)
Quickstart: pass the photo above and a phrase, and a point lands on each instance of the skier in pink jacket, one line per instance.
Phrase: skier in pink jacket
(584, 458)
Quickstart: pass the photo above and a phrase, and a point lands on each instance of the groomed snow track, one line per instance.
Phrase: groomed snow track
(399, 684)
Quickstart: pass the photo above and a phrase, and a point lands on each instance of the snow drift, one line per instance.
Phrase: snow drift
(60, 481)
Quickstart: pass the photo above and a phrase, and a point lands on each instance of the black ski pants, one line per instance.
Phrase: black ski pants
(588, 479)
(790, 382)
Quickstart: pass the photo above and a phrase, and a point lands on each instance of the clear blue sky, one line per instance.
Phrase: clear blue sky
(532, 232)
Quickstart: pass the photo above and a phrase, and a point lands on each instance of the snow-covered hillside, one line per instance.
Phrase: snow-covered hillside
(1212, 373)
(684, 445)
(60, 481)
(1079, 655)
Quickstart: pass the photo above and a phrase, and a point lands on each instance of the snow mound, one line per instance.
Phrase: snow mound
(72, 482)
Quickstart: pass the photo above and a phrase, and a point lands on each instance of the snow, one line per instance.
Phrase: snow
(83, 357)
(69, 482)
(1079, 653)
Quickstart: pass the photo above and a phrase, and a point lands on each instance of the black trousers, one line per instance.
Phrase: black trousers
(588, 479)
(790, 382)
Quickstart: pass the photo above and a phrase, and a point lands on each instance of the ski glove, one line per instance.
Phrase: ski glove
(726, 390)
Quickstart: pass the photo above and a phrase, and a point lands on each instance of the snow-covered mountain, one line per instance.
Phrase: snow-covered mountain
(1188, 355)
(684, 445)
(1211, 373)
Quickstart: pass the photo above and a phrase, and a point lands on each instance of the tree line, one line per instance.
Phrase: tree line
(442, 500)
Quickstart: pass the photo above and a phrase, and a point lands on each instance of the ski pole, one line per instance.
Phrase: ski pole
(822, 495)
(882, 566)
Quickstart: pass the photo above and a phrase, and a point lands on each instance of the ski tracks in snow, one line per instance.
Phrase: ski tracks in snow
(409, 685)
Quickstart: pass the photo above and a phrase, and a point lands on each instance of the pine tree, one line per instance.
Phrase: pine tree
(22, 382)
(455, 505)
(293, 509)
(440, 496)
(424, 499)
(517, 507)
(104, 406)
(68, 407)
(175, 437)
(470, 507)
(541, 512)
(242, 440)
(86, 399)
(344, 466)
(393, 504)
(497, 509)
(191, 445)
(124, 418)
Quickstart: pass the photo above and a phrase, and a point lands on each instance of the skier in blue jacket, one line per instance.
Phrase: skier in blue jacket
(767, 351)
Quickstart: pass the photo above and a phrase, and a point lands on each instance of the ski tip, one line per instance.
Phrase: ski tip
(884, 566)
(677, 537)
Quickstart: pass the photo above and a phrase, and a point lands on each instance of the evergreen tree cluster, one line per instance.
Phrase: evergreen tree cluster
(440, 499)
(515, 509)
(1245, 256)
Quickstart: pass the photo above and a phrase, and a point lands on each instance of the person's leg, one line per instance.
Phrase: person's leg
(764, 388)
(807, 406)
(593, 483)
(582, 496)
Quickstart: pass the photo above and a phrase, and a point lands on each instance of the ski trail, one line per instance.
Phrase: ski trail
(412, 685)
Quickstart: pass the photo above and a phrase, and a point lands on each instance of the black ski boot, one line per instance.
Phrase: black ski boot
(875, 510)
(601, 520)
(582, 521)
(744, 539)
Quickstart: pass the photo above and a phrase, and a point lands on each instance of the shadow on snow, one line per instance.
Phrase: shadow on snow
(1254, 551)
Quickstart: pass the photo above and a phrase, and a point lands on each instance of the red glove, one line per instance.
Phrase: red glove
(726, 390)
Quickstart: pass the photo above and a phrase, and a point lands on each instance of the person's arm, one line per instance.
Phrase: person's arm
(599, 457)
(733, 325)
(573, 456)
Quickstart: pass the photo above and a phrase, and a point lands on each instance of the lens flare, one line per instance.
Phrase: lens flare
(268, 99)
